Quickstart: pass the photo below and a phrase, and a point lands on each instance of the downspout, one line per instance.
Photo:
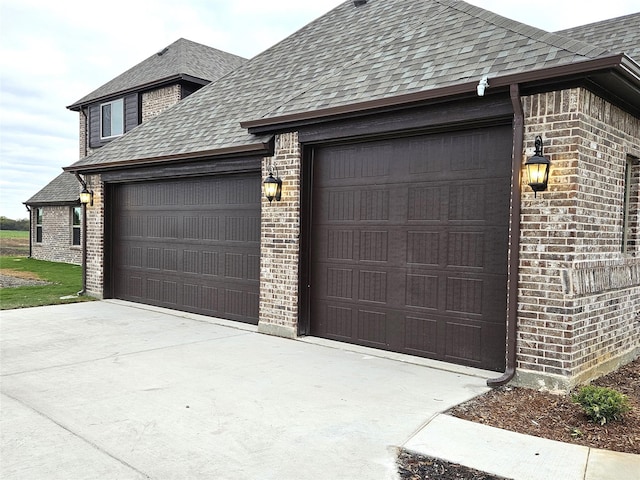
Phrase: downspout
(30, 231)
(514, 241)
(84, 239)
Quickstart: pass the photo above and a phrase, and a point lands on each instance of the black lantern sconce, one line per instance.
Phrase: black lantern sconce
(538, 169)
(86, 196)
(273, 187)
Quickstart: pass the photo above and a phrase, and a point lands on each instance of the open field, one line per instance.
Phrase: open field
(14, 242)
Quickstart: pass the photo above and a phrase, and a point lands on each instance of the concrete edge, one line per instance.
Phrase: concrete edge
(499, 452)
(289, 333)
(277, 330)
(515, 455)
(610, 465)
(189, 316)
(400, 357)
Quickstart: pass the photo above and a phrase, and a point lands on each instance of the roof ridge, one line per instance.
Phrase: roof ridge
(174, 62)
(528, 31)
(599, 22)
(321, 79)
(583, 49)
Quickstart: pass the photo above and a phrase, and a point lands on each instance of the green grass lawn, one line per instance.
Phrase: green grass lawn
(14, 234)
(65, 280)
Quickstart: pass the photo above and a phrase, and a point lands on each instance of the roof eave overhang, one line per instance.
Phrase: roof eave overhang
(62, 203)
(140, 88)
(589, 71)
(256, 149)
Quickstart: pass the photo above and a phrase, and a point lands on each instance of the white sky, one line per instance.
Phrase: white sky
(52, 53)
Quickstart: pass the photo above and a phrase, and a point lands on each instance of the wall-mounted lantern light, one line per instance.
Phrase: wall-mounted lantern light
(273, 187)
(538, 169)
(86, 196)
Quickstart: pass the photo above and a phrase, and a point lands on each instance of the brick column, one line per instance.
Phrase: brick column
(280, 243)
(95, 238)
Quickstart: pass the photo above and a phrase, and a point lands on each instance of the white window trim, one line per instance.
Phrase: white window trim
(117, 101)
(40, 217)
(74, 227)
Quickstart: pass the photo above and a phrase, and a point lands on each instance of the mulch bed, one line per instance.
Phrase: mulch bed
(540, 414)
(420, 467)
(556, 417)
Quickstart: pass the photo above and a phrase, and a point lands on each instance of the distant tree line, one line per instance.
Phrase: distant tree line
(9, 224)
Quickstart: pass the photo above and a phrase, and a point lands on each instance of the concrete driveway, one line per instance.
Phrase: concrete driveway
(114, 390)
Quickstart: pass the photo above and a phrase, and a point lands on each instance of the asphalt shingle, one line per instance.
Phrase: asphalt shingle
(376, 51)
(616, 34)
(182, 57)
(65, 188)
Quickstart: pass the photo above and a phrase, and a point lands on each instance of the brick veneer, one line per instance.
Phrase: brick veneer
(154, 102)
(56, 245)
(280, 243)
(83, 139)
(579, 295)
(157, 101)
(95, 238)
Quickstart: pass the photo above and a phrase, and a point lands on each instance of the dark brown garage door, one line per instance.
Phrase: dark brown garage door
(190, 245)
(409, 245)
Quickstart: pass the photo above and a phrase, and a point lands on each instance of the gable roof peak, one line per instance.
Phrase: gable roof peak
(180, 58)
(534, 33)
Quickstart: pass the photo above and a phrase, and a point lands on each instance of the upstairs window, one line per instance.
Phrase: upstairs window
(76, 215)
(112, 119)
(39, 214)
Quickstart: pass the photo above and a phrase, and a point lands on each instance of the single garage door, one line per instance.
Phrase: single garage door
(409, 245)
(190, 244)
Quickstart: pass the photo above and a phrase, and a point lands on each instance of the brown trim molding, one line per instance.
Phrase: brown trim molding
(181, 77)
(619, 62)
(184, 170)
(256, 149)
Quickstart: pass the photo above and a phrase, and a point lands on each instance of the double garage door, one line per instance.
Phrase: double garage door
(410, 242)
(189, 244)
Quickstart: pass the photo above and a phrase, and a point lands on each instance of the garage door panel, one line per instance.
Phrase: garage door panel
(409, 244)
(190, 245)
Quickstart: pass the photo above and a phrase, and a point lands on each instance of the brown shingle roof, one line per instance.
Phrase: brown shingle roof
(382, 49)
(182, 57)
